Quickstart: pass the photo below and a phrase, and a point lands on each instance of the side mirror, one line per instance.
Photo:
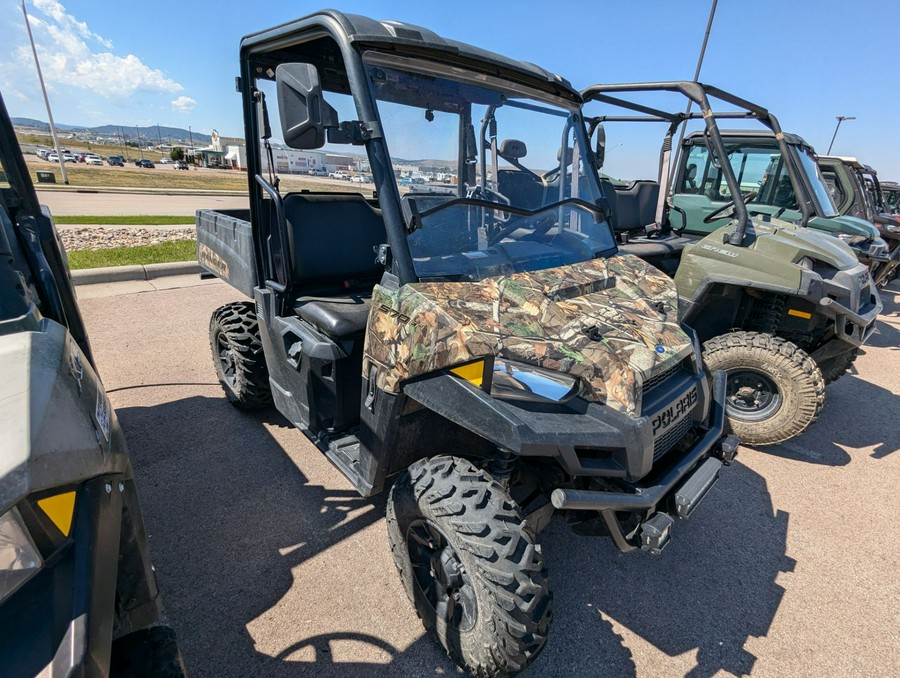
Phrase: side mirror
(600, 148)
(305, 115)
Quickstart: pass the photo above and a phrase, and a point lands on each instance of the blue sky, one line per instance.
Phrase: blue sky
(174, 63)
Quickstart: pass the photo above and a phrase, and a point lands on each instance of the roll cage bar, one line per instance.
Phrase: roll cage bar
(700, 94)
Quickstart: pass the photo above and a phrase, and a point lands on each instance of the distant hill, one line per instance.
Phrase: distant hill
(151, 134)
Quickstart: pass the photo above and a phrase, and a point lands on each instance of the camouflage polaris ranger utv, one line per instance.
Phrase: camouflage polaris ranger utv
(477, 334)
(78, 595)
(780, 307)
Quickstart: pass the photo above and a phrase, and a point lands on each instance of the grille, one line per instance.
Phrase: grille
(670, 438)
(657, 379)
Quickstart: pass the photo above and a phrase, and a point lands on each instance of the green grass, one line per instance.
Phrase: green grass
(175, 250)
(130, 220)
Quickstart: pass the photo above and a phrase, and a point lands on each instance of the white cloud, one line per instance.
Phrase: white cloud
(69, 56)
(183, 104)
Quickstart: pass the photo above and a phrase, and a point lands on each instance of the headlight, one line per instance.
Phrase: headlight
(19, 557)
(853, 240)
(517, 381)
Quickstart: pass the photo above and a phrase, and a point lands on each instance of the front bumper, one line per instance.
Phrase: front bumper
(677, 489)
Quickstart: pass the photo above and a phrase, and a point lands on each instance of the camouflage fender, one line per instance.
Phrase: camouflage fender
(612, 323)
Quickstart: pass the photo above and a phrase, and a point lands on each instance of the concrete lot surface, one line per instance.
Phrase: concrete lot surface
(271, 565)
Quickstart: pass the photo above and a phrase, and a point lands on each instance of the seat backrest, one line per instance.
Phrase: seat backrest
(333, 237)
(522, 189)
(633, 207)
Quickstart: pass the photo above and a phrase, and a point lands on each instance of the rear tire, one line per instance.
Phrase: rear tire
(457, 535)
(836, 367)
(775, 390)
(238, 356)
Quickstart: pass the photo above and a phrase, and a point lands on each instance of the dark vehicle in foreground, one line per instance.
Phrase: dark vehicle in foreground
(489, 350)
(780, 307)
(857, 190)
(78, 595)
(116, 161)
(144, 163)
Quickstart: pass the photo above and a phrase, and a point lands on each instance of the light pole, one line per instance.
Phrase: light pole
(840, 119)
(62, 162)
(141, 148)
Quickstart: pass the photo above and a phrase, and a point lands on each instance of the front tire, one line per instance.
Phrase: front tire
(775, 390)
(237, 353)
(470, 564)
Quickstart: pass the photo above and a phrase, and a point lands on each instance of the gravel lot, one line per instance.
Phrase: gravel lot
(271, 565)
(104, 237)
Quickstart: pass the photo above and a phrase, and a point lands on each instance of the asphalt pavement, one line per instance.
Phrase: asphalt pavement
(271, 565)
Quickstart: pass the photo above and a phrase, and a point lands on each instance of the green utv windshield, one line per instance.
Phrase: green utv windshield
(817, 182)
(492, 176)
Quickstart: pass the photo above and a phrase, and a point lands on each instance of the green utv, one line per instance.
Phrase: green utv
(856, 190)
(760, 160)
(78, 595)
(482, 340)
(780, 307)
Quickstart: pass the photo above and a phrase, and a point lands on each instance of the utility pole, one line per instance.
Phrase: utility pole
(158, 135)
(712, 14)
(840, 119)
(62, 162)
(141, 148)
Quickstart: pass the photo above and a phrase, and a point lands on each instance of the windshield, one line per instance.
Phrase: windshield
(491, 175)
(892, 200)
(817, 182)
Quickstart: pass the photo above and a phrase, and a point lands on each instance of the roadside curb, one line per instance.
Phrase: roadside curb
(93, 276)
(57, 188)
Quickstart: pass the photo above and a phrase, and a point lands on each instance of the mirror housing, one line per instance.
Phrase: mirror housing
(305, 115)
(600, 148)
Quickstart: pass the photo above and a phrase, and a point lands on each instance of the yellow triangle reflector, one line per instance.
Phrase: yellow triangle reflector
(60, 510)
(473, 372)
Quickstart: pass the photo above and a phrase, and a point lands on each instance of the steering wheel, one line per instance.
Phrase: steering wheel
(718, 213)
(540, 228)
(488, 194)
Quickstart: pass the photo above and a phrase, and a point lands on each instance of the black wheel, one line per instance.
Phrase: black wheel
(836, 367)
(238, 355)
(470, 564)
(149, 653)
(775, 390)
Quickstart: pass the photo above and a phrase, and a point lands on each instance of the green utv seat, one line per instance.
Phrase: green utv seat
(334, 239)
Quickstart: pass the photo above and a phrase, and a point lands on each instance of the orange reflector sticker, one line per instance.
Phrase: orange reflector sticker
(473, 372)
(799, 314)
(60, 510)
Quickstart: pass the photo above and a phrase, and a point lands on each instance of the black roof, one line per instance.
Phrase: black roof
(727, 134)
(411, 39)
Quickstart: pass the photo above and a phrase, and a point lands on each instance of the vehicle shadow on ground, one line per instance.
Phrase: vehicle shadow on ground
(230, 515)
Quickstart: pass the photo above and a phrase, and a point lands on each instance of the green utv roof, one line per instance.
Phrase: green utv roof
(409, 40)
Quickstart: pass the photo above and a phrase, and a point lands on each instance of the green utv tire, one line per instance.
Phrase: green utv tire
(775, 390)
(834, 368)
(238, 356)
(470, 564)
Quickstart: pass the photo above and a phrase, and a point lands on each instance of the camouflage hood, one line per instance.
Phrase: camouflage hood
(611, 322)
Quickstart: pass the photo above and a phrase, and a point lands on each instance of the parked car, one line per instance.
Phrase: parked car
(165, 161)
(361, 179)
(318, 172)
(143, 162)
(68, 157)
(115, 161)
(339, 175)
(180, 165)
(52, 157)
(93, 160)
